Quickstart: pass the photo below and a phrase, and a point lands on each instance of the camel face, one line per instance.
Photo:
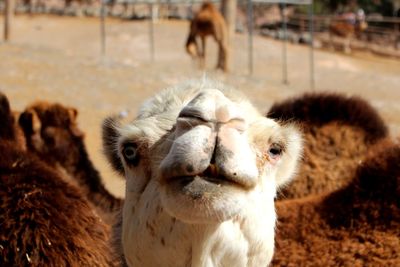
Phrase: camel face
(51, 131)
(215, 154)
(199, 157)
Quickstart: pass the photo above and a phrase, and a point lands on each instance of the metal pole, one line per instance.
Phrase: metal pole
(190, 10)
(397, 28)
(250, 34)
(284, 45)
(8, 17)
(311, 21)
(103, 28)
(151, 31)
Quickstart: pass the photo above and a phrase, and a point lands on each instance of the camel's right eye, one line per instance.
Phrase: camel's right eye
(130, 153)
(275, 151)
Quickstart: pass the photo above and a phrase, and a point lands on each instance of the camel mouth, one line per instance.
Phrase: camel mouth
(218, 181)
(202, 199)
(206, 179)
(203, 188)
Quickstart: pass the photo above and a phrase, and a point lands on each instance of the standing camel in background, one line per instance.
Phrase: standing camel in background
(347, 26)
(208, 21)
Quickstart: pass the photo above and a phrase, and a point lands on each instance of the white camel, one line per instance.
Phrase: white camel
(202, 167)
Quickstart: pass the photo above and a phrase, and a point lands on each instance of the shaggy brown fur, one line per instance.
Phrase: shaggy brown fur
(44, 221)
(208, 21)
(338, 132)
(323, 108)
(52, 133)
(358, 225)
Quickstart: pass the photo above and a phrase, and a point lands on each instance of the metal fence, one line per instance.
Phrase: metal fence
(384, 31)
(309, 23)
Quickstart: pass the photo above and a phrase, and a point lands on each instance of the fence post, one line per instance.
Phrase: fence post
(151, 30)
(8, 18)
(397, 30)
(250, 34)
(302, 25)
(228, 8)
(284, 44)
(103, 27)
(311, 18)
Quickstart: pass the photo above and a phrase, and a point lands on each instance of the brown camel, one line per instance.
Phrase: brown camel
(358, 225)
(347, 26)
(208, 21)
(44, 221)
(52, 133)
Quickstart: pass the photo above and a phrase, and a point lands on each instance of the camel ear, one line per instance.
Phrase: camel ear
(5, 109)
(6, 118)
(30, 122)
(31, 126)
(73, 115)
(110, 143)
(291, 156)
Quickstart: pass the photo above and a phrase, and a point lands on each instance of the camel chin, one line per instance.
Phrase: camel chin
(200, 199)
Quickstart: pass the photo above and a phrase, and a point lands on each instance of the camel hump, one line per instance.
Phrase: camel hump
(323, 108)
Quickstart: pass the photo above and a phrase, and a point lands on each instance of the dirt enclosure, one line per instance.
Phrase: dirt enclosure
(58, 59)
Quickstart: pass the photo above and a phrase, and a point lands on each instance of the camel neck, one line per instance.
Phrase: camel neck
(89, 178)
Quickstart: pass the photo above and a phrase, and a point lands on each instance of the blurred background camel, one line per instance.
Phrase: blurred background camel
(348, 26)
(208, 21)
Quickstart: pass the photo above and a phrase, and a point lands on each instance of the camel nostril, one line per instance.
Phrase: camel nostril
(212, 161)
(211, 171)
(189, 168)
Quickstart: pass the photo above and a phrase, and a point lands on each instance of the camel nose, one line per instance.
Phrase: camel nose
(211, 138)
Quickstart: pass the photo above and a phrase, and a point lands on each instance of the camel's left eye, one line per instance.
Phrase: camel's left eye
(275, 151)
(130, 153)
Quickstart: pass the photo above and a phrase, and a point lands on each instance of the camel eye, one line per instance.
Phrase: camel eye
(275, 151)
(130, 153)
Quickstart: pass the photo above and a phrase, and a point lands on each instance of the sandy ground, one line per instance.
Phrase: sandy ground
(58, 59)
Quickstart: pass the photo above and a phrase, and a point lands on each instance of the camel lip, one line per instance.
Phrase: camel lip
(211, 175)
(217, 181)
